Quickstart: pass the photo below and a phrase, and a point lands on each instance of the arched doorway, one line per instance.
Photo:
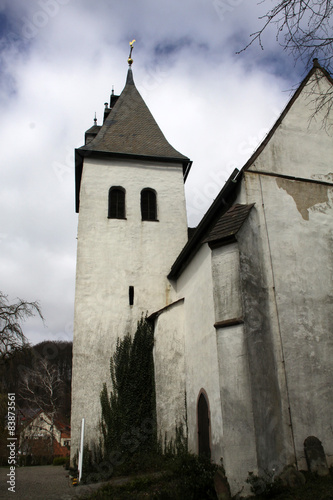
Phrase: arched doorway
(203, 426)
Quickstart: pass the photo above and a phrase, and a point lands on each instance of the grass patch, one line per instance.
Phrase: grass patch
(185, 477)
(191, 478)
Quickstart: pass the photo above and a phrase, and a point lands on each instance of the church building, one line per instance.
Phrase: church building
(242, 306)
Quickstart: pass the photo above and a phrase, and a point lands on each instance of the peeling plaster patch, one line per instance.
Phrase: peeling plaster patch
(305, 198)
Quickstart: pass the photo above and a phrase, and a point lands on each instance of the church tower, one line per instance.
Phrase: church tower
(132, 225)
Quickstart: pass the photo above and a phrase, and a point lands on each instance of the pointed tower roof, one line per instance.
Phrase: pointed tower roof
(129, 131)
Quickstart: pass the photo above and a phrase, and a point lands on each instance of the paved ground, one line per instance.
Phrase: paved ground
(41, 483)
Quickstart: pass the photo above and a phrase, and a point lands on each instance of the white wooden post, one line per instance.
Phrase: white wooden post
(81, 450)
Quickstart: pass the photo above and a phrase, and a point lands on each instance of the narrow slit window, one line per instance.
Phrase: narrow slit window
(148, 204)
(131, 295)
(116, 203)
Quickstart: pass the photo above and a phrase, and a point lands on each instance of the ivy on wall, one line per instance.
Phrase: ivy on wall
(129, 413)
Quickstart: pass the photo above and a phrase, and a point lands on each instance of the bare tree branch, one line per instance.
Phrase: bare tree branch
(321, 101)
(42, 387)
(11, 318)
(304, 28)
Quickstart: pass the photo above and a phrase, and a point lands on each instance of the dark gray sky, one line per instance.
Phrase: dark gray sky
(58, 62)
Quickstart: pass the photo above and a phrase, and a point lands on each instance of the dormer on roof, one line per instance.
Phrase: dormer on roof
(91, 133)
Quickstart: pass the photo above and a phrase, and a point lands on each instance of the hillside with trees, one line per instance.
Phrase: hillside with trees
(40, 377)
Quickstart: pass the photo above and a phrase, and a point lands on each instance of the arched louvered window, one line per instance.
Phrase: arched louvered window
(116, 203)
(148, 204)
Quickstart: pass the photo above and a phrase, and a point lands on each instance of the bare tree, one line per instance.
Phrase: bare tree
(322, 97)
(42, 390)
(11, 318)
(304, 28)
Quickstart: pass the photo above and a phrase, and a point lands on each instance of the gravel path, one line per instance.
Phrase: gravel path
(41, 483)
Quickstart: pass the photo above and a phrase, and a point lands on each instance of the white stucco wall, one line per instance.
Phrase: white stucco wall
(112, 255)
(226, 283)
(169, 359)
(294, 234)
(301, 252)
(282, 357)
(270, 404)
(239, 449)
(238, 440)
(196, 286)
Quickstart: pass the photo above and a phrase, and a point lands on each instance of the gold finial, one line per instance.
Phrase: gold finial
(130, 60)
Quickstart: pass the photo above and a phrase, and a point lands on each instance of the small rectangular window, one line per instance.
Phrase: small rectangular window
(131, 295)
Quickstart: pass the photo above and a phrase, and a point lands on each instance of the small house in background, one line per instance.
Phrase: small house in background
(40, 438)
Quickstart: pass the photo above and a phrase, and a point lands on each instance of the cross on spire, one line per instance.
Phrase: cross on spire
(130, 60)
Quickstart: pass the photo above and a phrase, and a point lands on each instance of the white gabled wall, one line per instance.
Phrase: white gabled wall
(112, 255)
(302, 145)
(293, 237)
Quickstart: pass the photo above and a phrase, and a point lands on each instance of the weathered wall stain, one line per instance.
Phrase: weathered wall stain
(304, 198)
(266, 395)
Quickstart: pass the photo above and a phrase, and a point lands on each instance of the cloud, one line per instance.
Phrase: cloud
(59, 60)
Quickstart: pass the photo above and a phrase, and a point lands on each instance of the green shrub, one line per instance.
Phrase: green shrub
(60, 460)
(30, 460)
(181, 477)
(128, 421)
(196, 475)
(265, 486)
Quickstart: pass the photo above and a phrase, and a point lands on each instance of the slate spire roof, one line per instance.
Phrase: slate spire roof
(130, 131)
